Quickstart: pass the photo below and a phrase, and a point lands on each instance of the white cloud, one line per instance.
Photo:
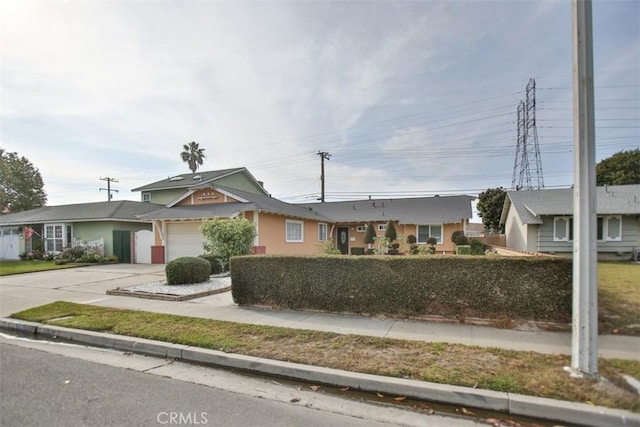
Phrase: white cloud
(99, 88)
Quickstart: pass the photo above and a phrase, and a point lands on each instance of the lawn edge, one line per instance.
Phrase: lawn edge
(510, 403)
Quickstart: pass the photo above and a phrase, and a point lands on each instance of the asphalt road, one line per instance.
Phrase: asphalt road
(53, 384)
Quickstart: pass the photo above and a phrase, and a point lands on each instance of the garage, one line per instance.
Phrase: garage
(183, 239)
(9, 243)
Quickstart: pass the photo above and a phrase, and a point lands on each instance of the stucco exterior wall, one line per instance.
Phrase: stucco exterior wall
(104, 230)
(272, 235)
(356, 238)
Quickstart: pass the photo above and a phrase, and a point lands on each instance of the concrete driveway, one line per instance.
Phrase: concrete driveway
(87, 285)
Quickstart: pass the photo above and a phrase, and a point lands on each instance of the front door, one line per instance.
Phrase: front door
(343, 240)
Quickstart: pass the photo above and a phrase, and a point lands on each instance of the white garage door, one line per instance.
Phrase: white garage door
(9, 241)
(184, 239)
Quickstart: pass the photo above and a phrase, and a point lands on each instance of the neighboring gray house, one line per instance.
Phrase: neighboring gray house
(542, 221)
(57, 227)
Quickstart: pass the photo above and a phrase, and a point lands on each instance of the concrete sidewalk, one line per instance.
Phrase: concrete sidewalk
(88, 285)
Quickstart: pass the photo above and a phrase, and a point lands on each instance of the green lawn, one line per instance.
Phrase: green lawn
(619, 298)
(18, 267)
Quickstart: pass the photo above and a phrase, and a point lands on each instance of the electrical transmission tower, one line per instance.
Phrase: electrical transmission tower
(528, 159)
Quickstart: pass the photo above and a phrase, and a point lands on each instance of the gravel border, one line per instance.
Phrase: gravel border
(160, 290)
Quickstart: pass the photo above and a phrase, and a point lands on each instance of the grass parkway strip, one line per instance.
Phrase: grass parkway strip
(528, 373)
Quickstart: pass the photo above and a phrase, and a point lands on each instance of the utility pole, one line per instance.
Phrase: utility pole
(584, 342)
(323, 155)
(108, 189)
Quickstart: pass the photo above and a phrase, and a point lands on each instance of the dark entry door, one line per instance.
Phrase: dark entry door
(343, 240)
(122, 245)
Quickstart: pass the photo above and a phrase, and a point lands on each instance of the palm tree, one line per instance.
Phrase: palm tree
(193, 155)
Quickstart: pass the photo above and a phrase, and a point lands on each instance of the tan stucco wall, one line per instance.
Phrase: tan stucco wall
(272, 231)
(356, 238)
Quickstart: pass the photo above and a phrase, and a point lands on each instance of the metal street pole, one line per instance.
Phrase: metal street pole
(584, 347)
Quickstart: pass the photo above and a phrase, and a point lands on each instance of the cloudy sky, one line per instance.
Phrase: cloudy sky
(410, 98)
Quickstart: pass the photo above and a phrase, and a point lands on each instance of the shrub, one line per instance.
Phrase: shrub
(463, 250)
(188, 269)
(369, 234)
(225, 237)
(455, 235)
(411, 239)
(216, 264)
(329, 248)
(486, 287)
(477, 247)
(461, 240)
(390, 233)
(74, 253)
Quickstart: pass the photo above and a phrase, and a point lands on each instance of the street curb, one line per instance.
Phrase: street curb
(509, 403)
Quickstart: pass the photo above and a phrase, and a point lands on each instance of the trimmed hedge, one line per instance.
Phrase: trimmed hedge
(463, 250)
(186, 270)
(485, 287)
(215, 261)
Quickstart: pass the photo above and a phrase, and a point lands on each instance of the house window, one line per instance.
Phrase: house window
(382, 227)
(610, 229)
(322, 232)
(361, 228)
(563, 229)
(295, 231)
(429, 230)
(53, 238)
(146, 197)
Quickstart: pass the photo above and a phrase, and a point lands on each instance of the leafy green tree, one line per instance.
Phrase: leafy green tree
(21, 185)
(226, 237)
(622, 168)
(489, 206)
(193, 155)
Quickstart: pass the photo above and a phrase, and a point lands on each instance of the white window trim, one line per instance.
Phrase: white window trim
(440, 239)
(567, 230)
(382, 227)
(361, 228)
(146, 197)
(605, 228)
(286, 231)
(46, 237)
(326, 232)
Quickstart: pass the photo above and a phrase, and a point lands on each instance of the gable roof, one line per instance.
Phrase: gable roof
(248, 202)
(530, 205)
(420, 210)
(121, 210)
(196, 180)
